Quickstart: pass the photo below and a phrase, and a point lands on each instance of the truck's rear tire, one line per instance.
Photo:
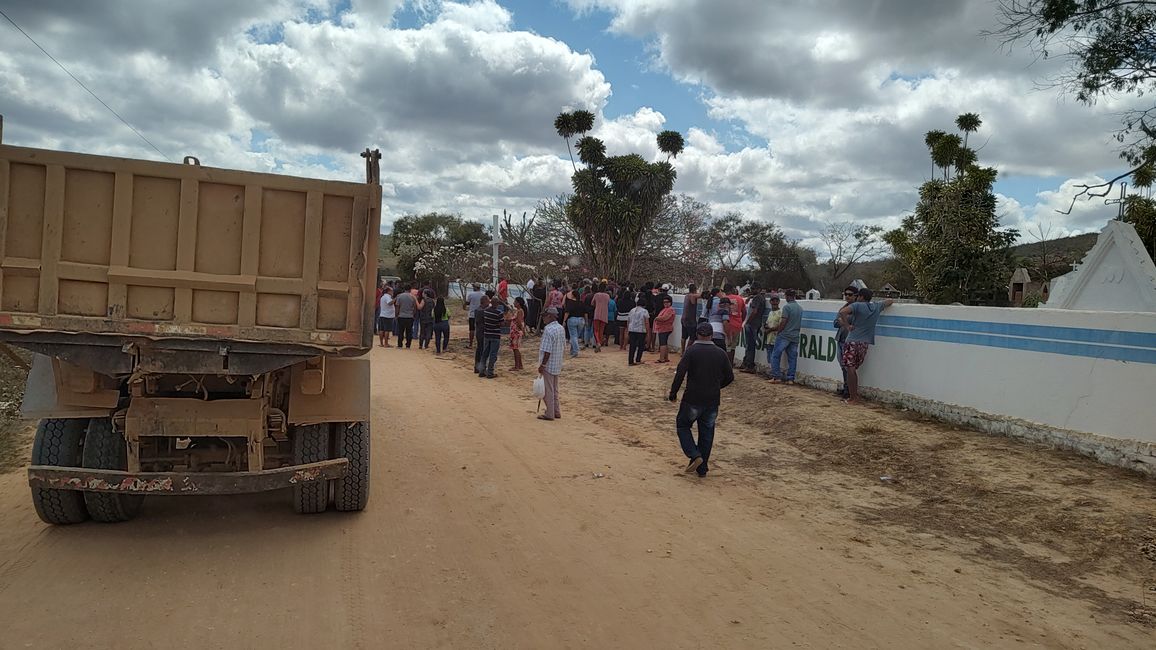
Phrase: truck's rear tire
(311, 445)
(58, 443)
(352, 441)
(104, 448)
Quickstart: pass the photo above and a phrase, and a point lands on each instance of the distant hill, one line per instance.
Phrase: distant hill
(1068, 247)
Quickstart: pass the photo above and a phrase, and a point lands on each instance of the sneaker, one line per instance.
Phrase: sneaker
(693, 465)
(490, 375)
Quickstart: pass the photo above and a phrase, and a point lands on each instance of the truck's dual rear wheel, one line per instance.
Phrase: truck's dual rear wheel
(59, 443)
(81, 443)
(317, 442)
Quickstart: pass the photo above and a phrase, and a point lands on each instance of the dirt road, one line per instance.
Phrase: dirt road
(488, 528)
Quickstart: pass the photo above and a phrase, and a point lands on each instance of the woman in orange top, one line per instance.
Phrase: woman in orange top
(663, 326)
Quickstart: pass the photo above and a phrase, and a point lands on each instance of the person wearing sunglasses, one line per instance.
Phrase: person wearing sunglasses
(850, 295)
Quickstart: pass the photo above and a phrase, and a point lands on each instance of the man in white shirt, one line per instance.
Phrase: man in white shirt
(387, 312)
(638, 326)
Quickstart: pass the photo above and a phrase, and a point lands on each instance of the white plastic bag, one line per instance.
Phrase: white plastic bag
(540, 387)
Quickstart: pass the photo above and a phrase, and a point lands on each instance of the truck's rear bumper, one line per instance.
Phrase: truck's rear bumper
(182, 483)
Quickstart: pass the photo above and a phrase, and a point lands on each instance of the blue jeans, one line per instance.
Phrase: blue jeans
(705, 416)
(751, 334)
(574, 324)
(792, 350)
(490, 355)
(441, 332)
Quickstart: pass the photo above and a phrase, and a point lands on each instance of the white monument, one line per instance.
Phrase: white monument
(1116, 275)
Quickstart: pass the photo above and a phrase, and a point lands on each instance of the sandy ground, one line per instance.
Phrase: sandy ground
(488, 528)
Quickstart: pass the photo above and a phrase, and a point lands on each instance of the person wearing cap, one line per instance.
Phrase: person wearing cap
(771, 329)
(753, 325)
(850, 296)
(550, 353)
(707, 370)
(860, 319)
(787, 340)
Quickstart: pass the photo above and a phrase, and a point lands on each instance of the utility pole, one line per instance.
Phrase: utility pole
(496, 242)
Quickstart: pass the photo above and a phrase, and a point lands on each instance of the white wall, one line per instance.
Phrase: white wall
(1089, 372)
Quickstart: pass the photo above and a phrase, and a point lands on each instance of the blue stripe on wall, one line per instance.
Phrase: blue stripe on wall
(1098, 344)
(1080, 334)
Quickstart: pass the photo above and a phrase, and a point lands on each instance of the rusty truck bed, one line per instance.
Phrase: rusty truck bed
(130, 248)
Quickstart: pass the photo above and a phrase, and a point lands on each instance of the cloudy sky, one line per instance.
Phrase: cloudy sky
(795, 111)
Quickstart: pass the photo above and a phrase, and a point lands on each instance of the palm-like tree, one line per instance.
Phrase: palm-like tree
(583, 121)
(671, 144)
(591, 151)
(945, 150)
(931, 139)
(968, 123)
(565, 125)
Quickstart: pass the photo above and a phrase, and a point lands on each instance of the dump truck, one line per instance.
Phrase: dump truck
(193, 330)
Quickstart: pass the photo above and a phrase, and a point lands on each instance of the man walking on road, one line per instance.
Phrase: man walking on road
(787, 340)
(707, 370)
(860, 319)
(550, 352)
(753, 326)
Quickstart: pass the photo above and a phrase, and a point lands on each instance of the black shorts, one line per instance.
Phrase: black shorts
(722, 343)
(663, 337)
(472, 319)
(384, 324)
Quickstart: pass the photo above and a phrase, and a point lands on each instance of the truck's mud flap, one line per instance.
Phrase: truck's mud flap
(182, 483)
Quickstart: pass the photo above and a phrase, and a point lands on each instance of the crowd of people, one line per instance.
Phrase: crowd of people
(602, 314)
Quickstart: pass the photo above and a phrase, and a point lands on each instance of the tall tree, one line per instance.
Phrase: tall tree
(424, 236)
(733, 239)
(953, 244)
(616, 198)
(1110, 50)
(847, 244)
(783, 263)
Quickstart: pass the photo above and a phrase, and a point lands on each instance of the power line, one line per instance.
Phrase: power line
(61, 65)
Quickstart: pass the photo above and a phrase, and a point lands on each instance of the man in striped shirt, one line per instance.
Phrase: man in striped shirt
(550, 352)
(491, 325)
